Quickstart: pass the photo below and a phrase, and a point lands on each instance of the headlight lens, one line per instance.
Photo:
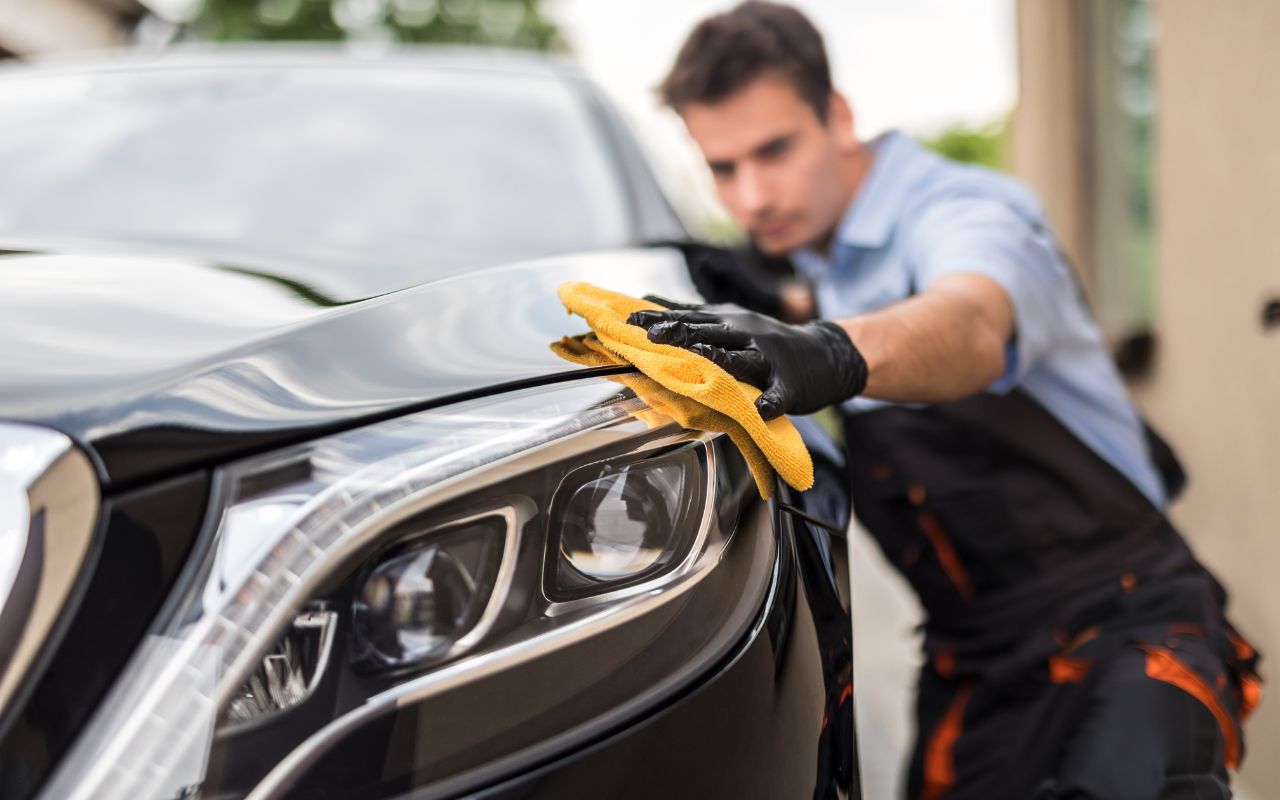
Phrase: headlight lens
(418, 606)
(391, 541)
(622, 523)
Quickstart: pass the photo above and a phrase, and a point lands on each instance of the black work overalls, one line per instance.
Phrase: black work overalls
(1074, 646)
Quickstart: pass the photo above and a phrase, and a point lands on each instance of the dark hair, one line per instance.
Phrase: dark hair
(725, 52)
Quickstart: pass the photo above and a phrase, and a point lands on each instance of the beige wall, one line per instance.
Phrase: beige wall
(1047, 143)
(1216, 389)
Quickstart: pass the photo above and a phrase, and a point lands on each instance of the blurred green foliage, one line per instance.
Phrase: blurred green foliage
(986, 145)
(508, 23)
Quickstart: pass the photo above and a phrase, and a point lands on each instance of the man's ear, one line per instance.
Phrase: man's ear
(840, 120)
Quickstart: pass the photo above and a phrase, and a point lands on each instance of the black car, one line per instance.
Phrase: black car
(296, 501)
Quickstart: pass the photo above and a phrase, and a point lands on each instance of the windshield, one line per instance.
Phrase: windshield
(351, 180)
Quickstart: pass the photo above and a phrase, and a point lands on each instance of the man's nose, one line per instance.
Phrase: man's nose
(752, 191)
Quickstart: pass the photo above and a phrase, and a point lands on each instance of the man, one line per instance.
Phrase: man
(1074, 646)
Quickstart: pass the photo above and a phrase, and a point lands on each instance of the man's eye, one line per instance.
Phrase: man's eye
(721, 169)
(774, 149)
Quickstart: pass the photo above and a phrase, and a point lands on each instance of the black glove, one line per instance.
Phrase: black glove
(723, 276)
(742, 276)
(800, 368)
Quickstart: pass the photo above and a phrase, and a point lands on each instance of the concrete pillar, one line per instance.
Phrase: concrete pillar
(1048, 139)
(1216, 388)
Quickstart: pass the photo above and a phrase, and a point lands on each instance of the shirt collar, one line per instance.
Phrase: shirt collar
(876, 208)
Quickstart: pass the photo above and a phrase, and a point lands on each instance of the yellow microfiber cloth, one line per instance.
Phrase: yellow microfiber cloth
(686, 387)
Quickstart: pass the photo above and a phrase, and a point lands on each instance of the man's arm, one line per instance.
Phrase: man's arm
(946, 343)
(987, 275)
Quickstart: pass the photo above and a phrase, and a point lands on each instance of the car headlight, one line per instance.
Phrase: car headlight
(395, 574)
(618, 523)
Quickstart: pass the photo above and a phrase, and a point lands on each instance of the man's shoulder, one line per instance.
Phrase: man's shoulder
(952, 196)
(953, 183)
(912, 189)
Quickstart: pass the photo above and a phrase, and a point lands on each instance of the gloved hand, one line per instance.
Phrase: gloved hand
(800, 368)
(744, 277)
(724, 276)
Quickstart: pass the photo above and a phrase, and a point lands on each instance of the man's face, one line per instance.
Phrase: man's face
(775, 164)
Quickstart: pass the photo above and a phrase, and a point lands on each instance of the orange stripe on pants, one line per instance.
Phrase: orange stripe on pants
(1165, 666)
(947, 556)
(939, 756)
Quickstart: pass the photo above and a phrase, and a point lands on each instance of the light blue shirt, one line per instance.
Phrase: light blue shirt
(918, 217)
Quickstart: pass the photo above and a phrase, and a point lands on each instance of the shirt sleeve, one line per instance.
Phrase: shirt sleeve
(988, 237)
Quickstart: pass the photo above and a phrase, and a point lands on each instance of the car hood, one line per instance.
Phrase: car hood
(156, 365)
